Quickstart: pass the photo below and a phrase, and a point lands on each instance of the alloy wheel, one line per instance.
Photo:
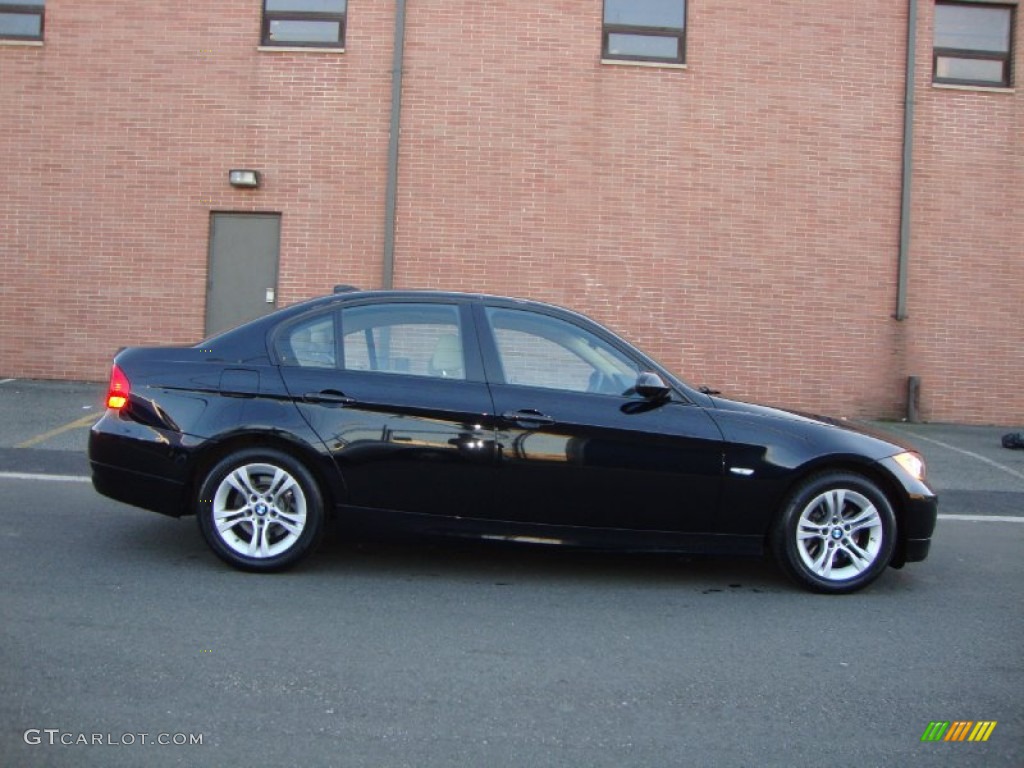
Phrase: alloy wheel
(839, 534)
(259, 510)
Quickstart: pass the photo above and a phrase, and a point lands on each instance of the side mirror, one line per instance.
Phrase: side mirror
(651, 386)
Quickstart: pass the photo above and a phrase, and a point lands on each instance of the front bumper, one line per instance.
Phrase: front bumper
(916, 550)
(916, 513)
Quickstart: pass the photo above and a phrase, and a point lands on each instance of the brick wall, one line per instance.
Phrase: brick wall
(966, 333)
(118, 135)
(739, 218)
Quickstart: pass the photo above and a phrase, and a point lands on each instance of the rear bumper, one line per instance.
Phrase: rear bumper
(139, 465)
(140, 490)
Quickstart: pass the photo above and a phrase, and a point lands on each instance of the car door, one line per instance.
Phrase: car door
(396, 392)
(576, 445)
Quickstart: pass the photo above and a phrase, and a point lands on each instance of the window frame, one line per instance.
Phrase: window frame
(26, 10)
(1005, 57)
(271, 16)
(607, 30)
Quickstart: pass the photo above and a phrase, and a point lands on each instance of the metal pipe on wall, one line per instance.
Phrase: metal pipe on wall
(914, 399)
(908, 164)
(398, 60)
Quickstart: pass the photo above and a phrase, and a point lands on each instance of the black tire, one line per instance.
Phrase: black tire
(276, 522)
(835, 533)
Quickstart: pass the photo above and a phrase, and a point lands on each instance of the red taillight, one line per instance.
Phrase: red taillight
(119, 390)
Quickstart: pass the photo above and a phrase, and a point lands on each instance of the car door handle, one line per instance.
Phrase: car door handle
(328, 396)
(528, 417)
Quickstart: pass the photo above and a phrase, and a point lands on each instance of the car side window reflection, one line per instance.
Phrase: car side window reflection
(540, 351)
(408, 339)
(309, 344)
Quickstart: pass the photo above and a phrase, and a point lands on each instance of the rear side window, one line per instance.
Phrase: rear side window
(309, 344)
(408, 339)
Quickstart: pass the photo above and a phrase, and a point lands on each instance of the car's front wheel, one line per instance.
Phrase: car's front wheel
(260, 510)
(836, 532)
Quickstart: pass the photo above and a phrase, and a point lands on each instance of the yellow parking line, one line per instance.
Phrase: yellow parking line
(85, 421)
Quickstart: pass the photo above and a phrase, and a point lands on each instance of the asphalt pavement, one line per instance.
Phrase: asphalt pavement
(124, 642)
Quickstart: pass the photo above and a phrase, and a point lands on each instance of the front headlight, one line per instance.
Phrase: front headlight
(912, 463)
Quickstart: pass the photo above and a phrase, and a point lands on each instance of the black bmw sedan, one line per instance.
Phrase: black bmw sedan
(493, 418)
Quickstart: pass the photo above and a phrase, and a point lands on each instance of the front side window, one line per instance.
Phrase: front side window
(409, 339)
(540, 351)
(22, 20)
(645, 30)
(304, 23)
(973, 42)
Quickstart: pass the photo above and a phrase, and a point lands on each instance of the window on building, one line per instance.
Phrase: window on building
(973, 42)
(22, 20)
(304, 23)
(645, 30)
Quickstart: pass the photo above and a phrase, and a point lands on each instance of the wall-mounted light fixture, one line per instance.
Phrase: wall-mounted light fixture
(241, 177)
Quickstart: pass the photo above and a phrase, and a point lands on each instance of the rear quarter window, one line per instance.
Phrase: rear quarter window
(309, 343)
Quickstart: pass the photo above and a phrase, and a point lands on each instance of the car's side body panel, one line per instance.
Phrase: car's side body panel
(424, 449)
(518, 532)
(607, 462)
(769, 450)
(184, 403)
(594, 459)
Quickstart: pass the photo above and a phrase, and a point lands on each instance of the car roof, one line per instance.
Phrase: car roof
(348, 294)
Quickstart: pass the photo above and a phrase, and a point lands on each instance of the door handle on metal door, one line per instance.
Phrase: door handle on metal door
(528, 417)
(328, 396)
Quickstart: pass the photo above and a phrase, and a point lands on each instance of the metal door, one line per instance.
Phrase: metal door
(241, 281)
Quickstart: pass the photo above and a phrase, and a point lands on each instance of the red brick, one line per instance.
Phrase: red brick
(739, 219)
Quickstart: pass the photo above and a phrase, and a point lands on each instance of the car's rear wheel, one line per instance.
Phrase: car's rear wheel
(260, 510)
(836, 532)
